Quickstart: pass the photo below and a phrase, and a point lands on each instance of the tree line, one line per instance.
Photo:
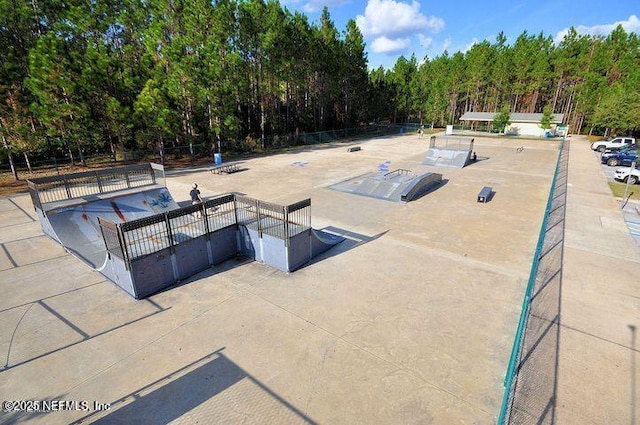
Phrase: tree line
(83, 77)
(593, 80)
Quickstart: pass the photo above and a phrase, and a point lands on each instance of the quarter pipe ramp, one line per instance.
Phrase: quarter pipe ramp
(449, 151)
(76, 226)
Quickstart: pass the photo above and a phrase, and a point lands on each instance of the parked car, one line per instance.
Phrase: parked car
(613, 144)
(631, 174)
(625, 148)
(614, 159)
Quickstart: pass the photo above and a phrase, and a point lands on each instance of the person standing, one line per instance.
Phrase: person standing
(196, 199)
(195, 195)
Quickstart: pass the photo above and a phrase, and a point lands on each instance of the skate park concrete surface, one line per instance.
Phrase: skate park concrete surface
(410, 320)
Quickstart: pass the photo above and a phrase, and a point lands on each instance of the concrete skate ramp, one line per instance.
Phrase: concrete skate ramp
(323, 241)
(76, 226)
(399, 185)
(447, 158)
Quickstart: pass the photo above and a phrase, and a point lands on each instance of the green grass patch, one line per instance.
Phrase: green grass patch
(619, 188)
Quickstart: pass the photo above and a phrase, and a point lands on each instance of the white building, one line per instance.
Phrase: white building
(521, 124)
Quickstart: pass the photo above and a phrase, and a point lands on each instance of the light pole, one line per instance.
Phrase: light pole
(626, 188)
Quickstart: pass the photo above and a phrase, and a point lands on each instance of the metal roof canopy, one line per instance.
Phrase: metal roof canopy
(513, 117)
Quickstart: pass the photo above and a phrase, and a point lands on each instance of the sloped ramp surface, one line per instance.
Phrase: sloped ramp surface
(447, 158)
(376, 185)
(396, 186)
(420, 186)
(322, 241)
(76, 227)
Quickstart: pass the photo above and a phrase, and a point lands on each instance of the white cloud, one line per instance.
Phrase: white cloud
(630, 25)
(396, 19)
(390, 46)
(425, 42)
(391, 25)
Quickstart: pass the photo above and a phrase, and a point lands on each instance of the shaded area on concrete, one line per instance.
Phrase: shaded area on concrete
(190, 393)
(347, 240)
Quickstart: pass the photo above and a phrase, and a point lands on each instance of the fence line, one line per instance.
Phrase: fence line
(45, 190)
(531, 378)
(193, 151)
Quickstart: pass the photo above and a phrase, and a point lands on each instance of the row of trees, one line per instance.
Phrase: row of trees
(593, 81)
(78, 76)
(82, 77)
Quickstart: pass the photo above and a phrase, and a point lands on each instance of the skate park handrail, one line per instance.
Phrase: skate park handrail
(398, 172)
(47, 190)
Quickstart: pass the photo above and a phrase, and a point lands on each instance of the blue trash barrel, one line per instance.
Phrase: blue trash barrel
(217, 158)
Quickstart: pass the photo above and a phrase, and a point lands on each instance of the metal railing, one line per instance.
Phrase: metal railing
(138, 238)
(458, 143)
(398, 172)
(45, 190)
(298, 217)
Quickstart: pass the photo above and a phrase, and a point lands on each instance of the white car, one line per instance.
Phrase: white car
(628, 173)
(613, 144)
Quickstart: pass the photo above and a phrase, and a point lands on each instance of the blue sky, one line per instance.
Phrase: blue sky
(426, 28)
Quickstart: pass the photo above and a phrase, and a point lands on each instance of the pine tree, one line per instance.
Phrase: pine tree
(502, 119)
(547, 118)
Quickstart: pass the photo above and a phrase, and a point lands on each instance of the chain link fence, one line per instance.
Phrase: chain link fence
(532, 375)
(168, 154)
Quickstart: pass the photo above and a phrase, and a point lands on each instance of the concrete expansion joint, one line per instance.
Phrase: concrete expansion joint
(583, 332)
(28, 238)
(22, 210)
(149, 344)
(8, 254)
